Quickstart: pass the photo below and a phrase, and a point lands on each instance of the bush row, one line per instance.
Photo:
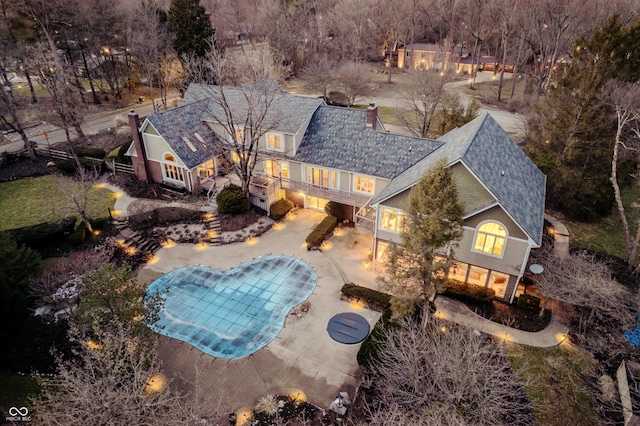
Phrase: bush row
(470, 293)
(376, 300)
(69, 166)
(321, 231)
(35, 235)
(280, 208)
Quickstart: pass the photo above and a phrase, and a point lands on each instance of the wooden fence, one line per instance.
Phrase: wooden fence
(112, 165)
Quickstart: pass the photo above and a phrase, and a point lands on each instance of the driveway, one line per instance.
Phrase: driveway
(303, 356)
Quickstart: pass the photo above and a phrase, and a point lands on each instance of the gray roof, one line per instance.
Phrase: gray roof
(339, 138)
(504, 169)
(284, 112)
(185, 121)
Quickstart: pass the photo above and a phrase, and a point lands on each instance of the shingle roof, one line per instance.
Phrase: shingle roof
(339, 138)
(484, 147)
(186, 121)
(285, 113)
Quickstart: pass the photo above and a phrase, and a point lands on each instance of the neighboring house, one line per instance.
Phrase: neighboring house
(430, 56)
(321, 153)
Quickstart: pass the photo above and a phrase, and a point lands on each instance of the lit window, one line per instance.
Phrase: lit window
(239, 134)
(206, 170)
(491, 238)
(322, 177)
(478, 276)
(498, 282)
(458, 271)
(363, 184)
(171, 170)
(275, 142)
(284, 170)
(392, 220)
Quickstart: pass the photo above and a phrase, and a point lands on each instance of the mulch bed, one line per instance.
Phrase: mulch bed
(18, 167)
(513, 316)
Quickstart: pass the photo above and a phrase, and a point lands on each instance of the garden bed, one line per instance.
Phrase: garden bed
(512, 316)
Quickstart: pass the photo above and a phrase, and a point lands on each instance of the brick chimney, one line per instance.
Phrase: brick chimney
(139, 162)
(372, 116)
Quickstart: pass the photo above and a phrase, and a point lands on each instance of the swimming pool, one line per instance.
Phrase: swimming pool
(231, 313)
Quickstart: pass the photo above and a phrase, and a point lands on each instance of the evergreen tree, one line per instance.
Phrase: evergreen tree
(432, 224)
(571, 134)
(192, 28)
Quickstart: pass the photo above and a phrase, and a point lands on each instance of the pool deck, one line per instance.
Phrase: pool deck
(302, 356)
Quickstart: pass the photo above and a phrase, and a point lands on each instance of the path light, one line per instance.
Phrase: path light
(251, 240)
(326, 245)
(131, 251)
(96, 232)
(168, 243)
(338, 232)
(443, 328)
(563, 338)
(212, 234)
(366, 264)
(153, 259)
(278, 226)
(244, 416)
(93, 345)
(356, 304)
(117, 194)
(156, 383)
(297, 396)
(99, 185)
(202, 246)
(207, 216)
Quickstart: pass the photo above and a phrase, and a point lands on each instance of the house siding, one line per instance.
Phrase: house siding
(471, 193)
(156, 147)
(399, 201)
(514, 254)
(496, 214)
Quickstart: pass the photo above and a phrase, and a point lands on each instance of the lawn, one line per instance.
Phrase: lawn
(16, 390)
(554, 382)
(30, 201)
(606, 235)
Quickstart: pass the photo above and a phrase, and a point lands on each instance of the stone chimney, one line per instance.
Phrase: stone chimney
(372, 116)
(139, 162)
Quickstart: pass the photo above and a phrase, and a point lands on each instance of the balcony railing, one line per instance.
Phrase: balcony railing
(337, 195)
(366, 219)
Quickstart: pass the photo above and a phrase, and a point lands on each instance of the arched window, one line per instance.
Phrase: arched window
(490, 238)
(171, 170)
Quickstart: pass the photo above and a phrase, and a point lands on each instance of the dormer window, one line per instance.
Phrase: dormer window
(275, 141)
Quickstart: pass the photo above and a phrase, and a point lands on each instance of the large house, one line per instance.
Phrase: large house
(315, 153)
(431, 56)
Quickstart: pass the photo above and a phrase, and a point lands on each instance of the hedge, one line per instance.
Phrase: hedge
(49, 231)
(375, 299)
(368, 352)
(69, 166)
(471, 293)
(84, 151)
(280, 208)
(324, 228)
(232, 200)
(527, 301)
(335, 209)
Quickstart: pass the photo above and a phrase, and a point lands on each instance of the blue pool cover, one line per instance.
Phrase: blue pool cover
(233, 313)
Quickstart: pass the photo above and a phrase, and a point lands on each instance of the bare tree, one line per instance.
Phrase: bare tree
(10, 116)
(351, 30)
(390, 24)
(625, 99)
(113, 379)
(423, 97)
(353, 80)
(318, 77)
(78, 192)
(246, 112)
(444, 374)
(583, 281)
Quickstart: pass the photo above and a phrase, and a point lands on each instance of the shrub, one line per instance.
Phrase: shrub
(528, 301)
(69, 167)
(280, 208)
(122, 158)
(232, 200)
(471, 293)
(375, 299)
(79, 235)
(335, 209)
(84, 151)
(324, 228)
(43, 232)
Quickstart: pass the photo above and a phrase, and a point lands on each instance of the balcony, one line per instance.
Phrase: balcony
(344, 197)
(366, 219)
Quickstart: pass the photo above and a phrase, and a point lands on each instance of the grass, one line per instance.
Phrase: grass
(16, 390)
(606, 236)
(554, 382)
(31, 201)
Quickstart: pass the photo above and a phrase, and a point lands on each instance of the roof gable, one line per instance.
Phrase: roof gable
(183, 122)
(497, 162)
(339, 138)
(285, 113)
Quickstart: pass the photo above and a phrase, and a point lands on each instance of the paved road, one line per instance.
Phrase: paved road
(91, 127)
